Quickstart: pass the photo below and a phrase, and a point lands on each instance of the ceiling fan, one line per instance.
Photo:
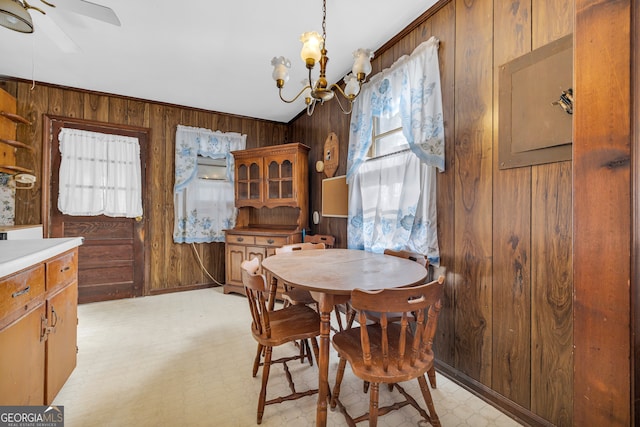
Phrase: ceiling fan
(14, 14)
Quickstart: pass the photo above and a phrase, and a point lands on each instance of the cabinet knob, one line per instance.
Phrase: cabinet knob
(240, 239)
(270, 241)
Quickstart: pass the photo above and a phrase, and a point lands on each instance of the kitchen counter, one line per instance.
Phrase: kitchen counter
(16, 255)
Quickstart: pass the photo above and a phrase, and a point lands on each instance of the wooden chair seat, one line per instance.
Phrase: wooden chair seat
(296, 322)
(350, 346)
(297, 296)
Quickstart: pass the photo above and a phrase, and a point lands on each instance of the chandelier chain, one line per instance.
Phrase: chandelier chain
(324, 22)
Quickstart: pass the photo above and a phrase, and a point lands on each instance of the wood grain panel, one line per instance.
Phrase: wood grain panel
(168, 260)
(552, 326)
(98, 229)
(117, 110)
(473, 156)
(96, 107)
(96, 253)
(137, 113)
(157, 187)
(511, 365)
(551, 20)
(113, 273)
(72, 104)
(602, 213)
(442, 25)
(635, 209)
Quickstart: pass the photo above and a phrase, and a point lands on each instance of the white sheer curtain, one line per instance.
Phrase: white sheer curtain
(203, 208)
(392, 206)
(99, 174)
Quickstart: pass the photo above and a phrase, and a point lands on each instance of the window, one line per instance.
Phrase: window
(392, 189)
(387, 136)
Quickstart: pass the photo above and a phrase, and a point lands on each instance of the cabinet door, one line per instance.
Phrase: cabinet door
(61, 343)
(256, 252)
(249, 182)
(235, 256)
(22, 361)
(279, 181)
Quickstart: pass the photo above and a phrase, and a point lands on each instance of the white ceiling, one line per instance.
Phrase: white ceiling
(206, 54)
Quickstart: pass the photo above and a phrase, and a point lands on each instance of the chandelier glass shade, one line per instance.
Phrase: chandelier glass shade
(314, 91)
(14, 15)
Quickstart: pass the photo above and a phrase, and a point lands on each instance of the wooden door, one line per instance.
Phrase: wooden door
(112, 261)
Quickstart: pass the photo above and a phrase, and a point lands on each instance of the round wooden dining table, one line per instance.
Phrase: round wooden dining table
(331, 275)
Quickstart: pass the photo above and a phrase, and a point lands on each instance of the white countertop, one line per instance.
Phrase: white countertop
(16, 255)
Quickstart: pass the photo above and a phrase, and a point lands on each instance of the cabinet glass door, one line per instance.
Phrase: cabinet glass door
(280, 180)
(248, 182)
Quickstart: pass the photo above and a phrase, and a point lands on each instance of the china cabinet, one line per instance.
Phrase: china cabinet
(271, 194)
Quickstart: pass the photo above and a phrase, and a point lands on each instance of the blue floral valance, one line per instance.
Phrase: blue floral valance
(191, 142)
(411, 87)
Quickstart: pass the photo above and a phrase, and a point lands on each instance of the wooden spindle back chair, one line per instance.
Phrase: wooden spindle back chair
(391, 352)
(275, 328)
(423, 261)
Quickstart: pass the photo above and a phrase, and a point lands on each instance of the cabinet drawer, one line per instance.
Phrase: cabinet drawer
(20, 291)
(241, 239)
(271, 241)
(62, 270)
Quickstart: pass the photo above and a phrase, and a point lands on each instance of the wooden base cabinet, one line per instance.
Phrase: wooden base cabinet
(246, 244)
(38, 330)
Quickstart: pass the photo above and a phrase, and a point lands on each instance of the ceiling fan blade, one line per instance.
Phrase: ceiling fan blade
(92, 10)
(54, 32)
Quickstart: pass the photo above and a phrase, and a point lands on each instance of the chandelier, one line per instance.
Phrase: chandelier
(314, 50)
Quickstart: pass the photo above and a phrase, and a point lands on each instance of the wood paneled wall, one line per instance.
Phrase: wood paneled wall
(505, 235)
(171, 266)
(602, 212)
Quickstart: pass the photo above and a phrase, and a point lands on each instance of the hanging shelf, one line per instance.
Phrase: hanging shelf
(16, 144)
(15, 169)
(15, 118)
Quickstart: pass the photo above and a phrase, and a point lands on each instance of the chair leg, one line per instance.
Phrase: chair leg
(256, 361)
(316, 353)
(336, 387)
(305, 352)
(351, 316)
(336, 309)
(432, 377)
(426, 394)
(373, 404)
(265, 378)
